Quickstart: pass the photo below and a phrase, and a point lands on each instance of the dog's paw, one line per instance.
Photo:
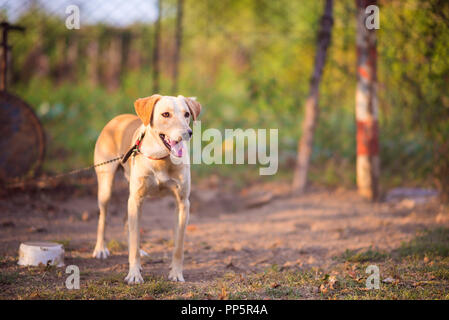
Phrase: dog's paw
(176, 275)
(101, 253)
(134, 276)
(143, 253)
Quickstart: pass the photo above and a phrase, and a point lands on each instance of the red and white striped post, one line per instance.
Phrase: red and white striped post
(368, 167)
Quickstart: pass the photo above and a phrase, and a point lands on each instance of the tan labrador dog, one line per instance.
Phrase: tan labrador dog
(157, 136)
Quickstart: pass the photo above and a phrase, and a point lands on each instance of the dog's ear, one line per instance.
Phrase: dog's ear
(194, 107)
(144, 108)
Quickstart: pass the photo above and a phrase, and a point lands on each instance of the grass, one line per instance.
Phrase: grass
(65, 243)
(432, 243)
(418, 269)
(8, 278)
(74, 115)
(115, 245)
(363, 256)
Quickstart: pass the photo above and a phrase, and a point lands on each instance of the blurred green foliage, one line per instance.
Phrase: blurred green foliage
(249, 63)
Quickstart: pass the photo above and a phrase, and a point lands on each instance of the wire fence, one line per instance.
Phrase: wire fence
(257, 62)
(71, 40)
(113, 12)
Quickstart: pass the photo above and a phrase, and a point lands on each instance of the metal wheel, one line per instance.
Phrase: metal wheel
(22, 139)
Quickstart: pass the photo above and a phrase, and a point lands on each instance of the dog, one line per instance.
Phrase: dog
(154, 138)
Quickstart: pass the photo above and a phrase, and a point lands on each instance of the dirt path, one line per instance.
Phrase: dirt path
(223, 234)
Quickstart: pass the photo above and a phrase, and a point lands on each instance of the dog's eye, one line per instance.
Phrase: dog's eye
(186, 114)
(166, 114)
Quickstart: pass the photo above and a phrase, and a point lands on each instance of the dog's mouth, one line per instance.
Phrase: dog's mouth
(174, 147)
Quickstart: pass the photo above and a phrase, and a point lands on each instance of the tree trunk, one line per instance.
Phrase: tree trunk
(112, 68)
(156, 45)
(92, 53)
(305, 145)
(36, 65)
(134, 60)
(71, 60)
(366, 106)
(178, 40)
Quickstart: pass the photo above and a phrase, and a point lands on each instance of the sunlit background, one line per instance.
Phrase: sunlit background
(249, 63)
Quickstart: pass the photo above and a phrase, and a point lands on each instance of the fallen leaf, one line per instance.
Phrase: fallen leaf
(208, 296)
(156, 261)
(85, 216)
(224, 294)
(259, 200)
(192, 227)
(260, 261)
(323, 289)
(36, 230)
(34, 295)
(290, 264)
(7, 224)
(390, 280)
(333, 282)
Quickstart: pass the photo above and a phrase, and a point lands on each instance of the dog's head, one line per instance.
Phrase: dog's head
(169, 118)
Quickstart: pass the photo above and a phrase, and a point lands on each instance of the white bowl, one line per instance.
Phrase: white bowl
(36, 253)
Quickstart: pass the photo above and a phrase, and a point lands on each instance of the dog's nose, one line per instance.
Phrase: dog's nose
(187, 135)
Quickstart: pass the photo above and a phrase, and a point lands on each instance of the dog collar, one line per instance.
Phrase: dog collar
(136, 149)
(138, 143)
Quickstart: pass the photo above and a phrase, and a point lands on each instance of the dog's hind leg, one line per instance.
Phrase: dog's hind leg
(105, 181)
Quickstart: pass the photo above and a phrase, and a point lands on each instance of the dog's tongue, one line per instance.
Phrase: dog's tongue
(176, 148)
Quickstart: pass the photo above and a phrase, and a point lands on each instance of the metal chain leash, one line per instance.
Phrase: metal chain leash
(61, 175)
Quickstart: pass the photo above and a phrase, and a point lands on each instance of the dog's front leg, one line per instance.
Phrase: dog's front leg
(134, 212)
(180, 228)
